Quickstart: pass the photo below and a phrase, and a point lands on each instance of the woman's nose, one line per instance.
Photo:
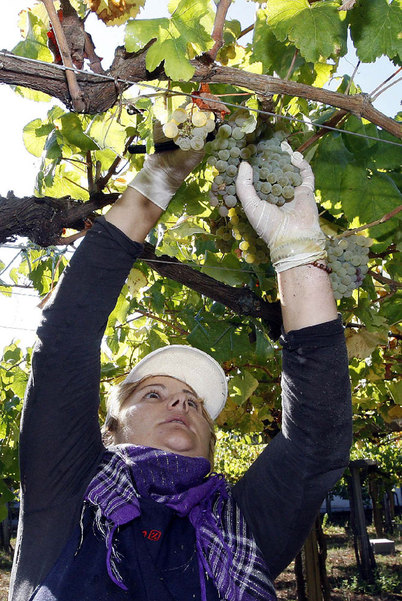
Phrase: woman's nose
(178, 401)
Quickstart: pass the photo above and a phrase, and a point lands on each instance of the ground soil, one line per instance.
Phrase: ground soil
(341, 568)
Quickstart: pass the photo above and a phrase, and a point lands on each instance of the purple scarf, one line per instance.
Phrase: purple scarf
(226, 549)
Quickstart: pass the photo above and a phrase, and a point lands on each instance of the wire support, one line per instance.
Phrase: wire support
(118, 80)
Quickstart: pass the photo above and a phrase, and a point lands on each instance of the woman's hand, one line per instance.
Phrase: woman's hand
(148, 195)
(164, 172)
(292, 232)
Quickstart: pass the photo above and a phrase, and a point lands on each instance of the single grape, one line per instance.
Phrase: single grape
(288, 192)
(199, 119)
(238, 133)
(224, 154)
(266, 188)
(210, 125)
(221, 166)
(230, 200)
(196, 143)
(179, 115)
(184, 144)
(277, 190)
(225, 130)
(170, 129)
(231, 170)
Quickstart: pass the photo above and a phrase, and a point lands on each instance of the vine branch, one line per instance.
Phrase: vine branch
(335, 120)
(102, 182)
(100, 90)
(383, 219)
(384, 82)
(217, 32)
(384, 280)
(169, 324)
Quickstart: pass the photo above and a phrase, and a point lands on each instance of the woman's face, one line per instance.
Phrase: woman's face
(164, 413)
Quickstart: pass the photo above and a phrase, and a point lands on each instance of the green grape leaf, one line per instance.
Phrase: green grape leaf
(225, 270)
(34, 30)
(231, 31)
(52, 146)
(274, 55)
(375, 27)
(73, 132)
(173, 37)
(318, 30)
(242, 386)
(395, 390)
(32, 94)
(365, 196)
(35, 135)
(331, 158)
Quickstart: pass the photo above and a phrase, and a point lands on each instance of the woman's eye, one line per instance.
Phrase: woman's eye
(192, 403)
(152, 395)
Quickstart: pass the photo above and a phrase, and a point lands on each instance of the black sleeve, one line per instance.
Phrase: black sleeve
(60, 436)
(281, 493)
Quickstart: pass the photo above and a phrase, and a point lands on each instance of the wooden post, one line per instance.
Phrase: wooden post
(312, 567)
(377, 509)
(388, 511)
(362, 543)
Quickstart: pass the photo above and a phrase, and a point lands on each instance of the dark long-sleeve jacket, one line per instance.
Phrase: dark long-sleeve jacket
(61, 444)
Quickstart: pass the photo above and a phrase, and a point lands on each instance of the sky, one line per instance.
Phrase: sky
(19, 315)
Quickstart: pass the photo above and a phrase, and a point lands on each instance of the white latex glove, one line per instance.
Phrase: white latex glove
(292, 232)
(164, 172)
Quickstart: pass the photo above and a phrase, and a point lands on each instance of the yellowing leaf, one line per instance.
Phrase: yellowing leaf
(135, 281)
(115, 12)
(395, 390)
(362, 343)
(395, 412)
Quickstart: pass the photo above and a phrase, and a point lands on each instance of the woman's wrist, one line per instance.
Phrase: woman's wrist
(306, 297)
(134, 214)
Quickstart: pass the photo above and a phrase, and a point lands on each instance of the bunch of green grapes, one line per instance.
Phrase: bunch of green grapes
(189, 126)
(252, 249)
(348, 258)
(274, 179)
(274, 176)
(226, 53)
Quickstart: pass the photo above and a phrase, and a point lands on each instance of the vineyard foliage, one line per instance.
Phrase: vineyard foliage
(358, 183)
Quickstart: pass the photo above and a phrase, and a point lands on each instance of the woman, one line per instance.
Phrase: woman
(144, 519)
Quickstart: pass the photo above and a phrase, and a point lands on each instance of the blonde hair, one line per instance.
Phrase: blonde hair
(115, 404)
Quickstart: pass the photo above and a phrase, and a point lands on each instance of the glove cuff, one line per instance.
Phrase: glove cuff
(294, 253)
(156, 185)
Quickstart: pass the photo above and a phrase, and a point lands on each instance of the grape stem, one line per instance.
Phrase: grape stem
(383, 219)
(101, 182)
(157, 318)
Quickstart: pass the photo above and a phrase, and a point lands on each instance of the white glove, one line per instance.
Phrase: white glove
(164, 172)
(292, 232)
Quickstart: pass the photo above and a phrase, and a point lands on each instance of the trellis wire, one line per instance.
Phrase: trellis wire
(179, 93)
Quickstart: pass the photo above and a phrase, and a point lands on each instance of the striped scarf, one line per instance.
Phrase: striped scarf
(226, 549)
